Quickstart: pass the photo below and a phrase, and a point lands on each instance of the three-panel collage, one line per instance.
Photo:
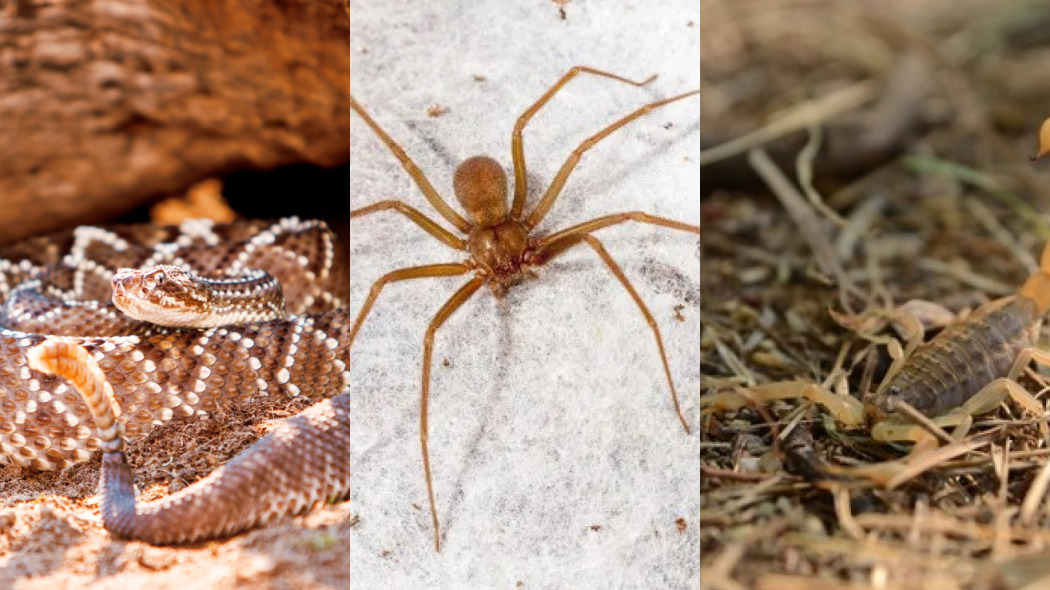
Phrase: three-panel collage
(541, 294)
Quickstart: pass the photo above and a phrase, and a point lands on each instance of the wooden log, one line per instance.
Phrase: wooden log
(107, 104)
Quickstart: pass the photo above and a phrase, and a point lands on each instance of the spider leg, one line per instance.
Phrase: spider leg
(552, 249)
(413, 170)
(517, 149)
(558, 183)
(464, 293)
(604, 221)
(449, 269)
(428, 225)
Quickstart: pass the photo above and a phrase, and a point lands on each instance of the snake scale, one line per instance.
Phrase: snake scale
(158, 375)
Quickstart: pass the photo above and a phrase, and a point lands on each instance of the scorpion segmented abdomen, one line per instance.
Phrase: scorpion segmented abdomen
(950, 369)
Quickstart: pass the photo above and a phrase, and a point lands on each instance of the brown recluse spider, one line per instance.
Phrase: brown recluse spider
(501, 250)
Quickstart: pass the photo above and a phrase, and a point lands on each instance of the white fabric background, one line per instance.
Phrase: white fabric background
(553, 415)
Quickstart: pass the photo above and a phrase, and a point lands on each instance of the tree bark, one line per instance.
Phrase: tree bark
(105, 104)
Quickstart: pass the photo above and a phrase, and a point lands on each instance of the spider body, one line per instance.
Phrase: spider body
(497, 245)
(501, 253)
(499, 242)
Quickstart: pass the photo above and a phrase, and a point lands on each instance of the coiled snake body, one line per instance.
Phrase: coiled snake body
(157, 376)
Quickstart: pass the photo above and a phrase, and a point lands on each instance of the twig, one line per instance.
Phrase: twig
(826, 107)
(804, 170)
(981, 283)
(986, 218)
(922, 463)
(1034, 497)
(810, 226)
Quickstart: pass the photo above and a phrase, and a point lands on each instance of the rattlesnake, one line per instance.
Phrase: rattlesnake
(302, 462)
(160, 376)
(173, 297)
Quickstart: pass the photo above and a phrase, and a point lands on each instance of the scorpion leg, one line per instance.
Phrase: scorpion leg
(1029, 355)
(847, 410)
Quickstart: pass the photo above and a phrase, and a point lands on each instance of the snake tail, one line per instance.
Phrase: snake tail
(298, 465)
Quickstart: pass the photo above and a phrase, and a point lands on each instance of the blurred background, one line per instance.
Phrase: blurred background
(920, 118)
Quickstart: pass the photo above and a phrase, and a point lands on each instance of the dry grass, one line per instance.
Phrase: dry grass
(954, 215)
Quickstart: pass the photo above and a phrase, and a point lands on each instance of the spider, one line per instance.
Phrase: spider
(500, 244)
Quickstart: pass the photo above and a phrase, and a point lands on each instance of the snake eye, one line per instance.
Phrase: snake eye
(159, 278)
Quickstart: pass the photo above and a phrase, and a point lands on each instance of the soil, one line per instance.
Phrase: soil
(51, 535)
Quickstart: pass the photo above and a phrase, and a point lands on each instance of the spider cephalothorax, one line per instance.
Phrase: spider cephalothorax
(497, 244)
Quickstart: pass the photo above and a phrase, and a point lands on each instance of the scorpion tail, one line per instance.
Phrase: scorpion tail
(1037, 287)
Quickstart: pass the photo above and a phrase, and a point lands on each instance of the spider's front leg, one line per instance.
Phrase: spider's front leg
(428, 225)
(517, 146)
(428, 190)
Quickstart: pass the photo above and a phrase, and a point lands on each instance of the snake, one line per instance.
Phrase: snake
(157, 374)
(173, 297)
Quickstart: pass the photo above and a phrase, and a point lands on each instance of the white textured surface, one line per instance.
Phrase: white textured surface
(558, 459)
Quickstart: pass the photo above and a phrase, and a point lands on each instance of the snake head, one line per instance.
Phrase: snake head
(171, 296)
(164, 295)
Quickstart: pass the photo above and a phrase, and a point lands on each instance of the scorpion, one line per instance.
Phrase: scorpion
(967, 369)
